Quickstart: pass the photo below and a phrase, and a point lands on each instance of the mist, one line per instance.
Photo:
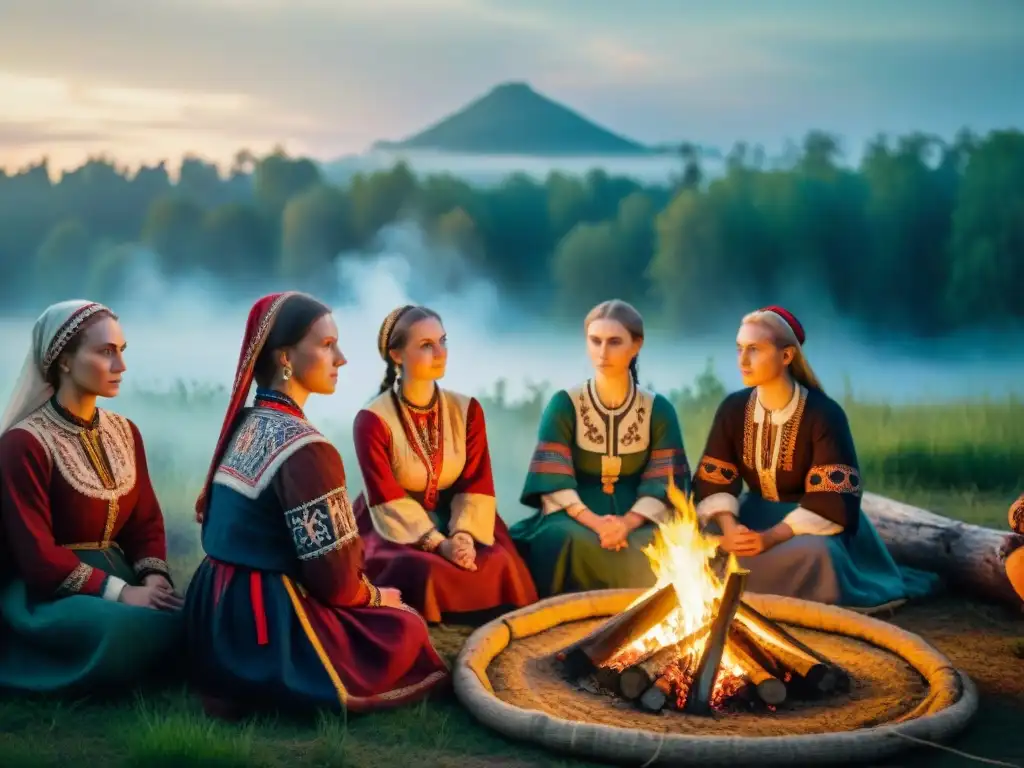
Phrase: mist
(184, 338)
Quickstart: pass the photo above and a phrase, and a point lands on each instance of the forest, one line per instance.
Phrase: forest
(924, 234)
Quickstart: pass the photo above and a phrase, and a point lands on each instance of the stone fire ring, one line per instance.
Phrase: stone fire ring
(948, 707)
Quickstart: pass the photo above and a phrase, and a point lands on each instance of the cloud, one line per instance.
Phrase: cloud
(330, 76)
(18, 134)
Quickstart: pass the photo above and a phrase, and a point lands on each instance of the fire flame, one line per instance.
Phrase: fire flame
(681, 555)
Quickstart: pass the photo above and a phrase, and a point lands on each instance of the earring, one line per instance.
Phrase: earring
(65, 369)
(287, 372)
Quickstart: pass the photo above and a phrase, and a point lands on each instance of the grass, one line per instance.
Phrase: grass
(962, 459)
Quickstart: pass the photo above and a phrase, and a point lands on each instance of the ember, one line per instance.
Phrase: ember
(691, 643)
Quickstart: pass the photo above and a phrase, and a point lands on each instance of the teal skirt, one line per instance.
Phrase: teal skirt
(855, 570)
(566, 556)
(82, 643)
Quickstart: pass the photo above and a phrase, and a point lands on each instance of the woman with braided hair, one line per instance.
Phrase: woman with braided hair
(280, 612)
(799, 529)
(428, 514)
(599, 475)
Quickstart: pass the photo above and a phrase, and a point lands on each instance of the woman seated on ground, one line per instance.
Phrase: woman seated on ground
(599, 475)
(1015, 560)
(800, 529)
(428, 515)
(280, 611)
(86, 601)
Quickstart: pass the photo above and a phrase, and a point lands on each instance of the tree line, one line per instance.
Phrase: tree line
(923, 234)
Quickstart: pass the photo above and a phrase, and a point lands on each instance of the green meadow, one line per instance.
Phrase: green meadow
(961, 459)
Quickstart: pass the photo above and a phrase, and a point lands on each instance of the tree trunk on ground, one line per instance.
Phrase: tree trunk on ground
(970, 557)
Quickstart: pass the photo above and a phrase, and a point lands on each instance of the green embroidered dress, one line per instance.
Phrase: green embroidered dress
(613, 461)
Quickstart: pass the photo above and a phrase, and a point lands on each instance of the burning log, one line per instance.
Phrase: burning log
(769, 688)
(601, 645)
(636, 679)
(792, 655)
(699, 699)
(655, 698)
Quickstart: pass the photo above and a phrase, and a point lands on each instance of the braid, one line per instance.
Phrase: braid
(634, 369)
(390, 377)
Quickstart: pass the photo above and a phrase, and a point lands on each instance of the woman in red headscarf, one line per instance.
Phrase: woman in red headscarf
(429, 516)
(799, 529)
(280, 611)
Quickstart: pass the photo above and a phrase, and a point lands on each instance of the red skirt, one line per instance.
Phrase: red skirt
(258, 639)
(435, 586)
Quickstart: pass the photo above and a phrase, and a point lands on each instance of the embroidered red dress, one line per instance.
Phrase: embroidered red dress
(280, 612)
(427, 474)
(80, 521)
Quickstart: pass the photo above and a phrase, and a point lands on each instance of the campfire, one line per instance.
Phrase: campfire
(691, 643)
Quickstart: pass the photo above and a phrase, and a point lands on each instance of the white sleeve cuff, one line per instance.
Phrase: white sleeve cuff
(716, 503)
(804, 522)
(559, 500)
(651, 509)
(113, 588)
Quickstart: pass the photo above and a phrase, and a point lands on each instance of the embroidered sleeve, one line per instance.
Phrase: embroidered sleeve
(717, 482)
(49, 570)
(1017, 515)
(473, 505)
(142, 536)
(667, 460)
(396, 516)
(551, 479)
(310, 486)
(832, 486)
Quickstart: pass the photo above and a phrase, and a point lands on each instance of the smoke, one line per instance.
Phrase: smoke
(184, 338)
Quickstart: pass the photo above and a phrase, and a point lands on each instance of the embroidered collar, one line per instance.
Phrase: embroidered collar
(278, 401)
(71, 419)
(782, 415)
(602, 408)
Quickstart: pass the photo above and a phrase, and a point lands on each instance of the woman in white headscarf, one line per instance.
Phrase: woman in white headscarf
(86, 599)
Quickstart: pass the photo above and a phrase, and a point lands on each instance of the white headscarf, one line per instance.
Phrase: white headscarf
(50, 335)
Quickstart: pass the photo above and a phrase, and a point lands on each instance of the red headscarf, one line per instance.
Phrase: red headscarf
(257, 329)
(790, 320)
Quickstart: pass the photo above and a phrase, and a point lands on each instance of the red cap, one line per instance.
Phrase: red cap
(791, 321)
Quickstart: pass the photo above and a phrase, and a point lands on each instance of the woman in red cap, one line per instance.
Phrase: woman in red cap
(799, 529)
(280, 612)
(429, 515)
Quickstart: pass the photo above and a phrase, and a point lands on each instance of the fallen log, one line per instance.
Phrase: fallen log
(970, 557)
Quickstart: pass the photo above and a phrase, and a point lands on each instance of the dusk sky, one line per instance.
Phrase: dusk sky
(149, 79)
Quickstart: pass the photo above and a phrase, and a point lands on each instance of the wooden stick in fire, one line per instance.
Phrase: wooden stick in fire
(768, 687)
(751, 617)
(601, 645)
(638, 678)
(759, 632)
(698, 701)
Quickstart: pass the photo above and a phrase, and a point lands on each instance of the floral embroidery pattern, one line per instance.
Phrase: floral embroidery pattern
(593, 434)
